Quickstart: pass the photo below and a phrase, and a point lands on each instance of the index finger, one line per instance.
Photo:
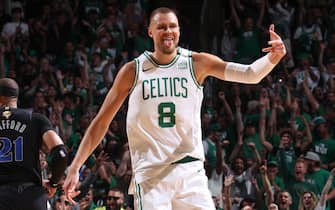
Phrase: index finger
(70, 195)
(273, 34)
(69, 186)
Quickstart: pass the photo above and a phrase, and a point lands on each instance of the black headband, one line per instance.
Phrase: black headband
(8, 91)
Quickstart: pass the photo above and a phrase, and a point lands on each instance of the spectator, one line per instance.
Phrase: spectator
(16, 28)
(284, 200)
(40, 105)
(327, 68)
(214, 164)
(114, 200)
(212, 13)
(306, 70)
(286, 155)
(330, 110)
(244, 184)
(276, 182)
(282, 14)
(307, 37)
(38, 37)
(298, 184)
(137, 40)
(268, 191)
(61, 203)
(323, 143)
(273, 206)
(248, 204)
(228, 41)
(249, 34)
(308, 200)
(317, 176)
(87, 202)
(59, 33)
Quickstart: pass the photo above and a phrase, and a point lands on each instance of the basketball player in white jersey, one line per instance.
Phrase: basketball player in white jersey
(163, 121)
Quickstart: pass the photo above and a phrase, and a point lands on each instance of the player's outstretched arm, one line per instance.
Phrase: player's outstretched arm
(99, 125)
(210, 65)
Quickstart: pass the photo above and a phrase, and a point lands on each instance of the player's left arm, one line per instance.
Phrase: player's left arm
(58, 154)
(58, 163)
(209, 65)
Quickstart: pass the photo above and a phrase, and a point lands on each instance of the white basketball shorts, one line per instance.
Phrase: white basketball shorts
(182, 186)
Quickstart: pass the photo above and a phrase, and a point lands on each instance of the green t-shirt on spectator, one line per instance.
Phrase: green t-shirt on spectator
(286, 159)
(248, 45)
(246, 151)
(210, 153)
(325, 149)
(296, 189)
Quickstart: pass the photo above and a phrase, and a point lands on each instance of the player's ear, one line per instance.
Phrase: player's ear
(149, 32)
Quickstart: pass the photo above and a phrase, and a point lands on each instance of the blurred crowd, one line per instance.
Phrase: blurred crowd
(267, 146)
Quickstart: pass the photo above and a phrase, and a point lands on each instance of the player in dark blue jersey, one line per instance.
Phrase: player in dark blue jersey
(22, 135)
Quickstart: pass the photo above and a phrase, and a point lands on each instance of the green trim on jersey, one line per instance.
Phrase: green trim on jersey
(190, 63)
(139, 196)
(149, 57)
(137, 68)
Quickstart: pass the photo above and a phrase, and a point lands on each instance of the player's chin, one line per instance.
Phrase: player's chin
(169, 50)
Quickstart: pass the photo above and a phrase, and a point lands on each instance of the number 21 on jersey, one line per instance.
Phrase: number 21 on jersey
(11, 149)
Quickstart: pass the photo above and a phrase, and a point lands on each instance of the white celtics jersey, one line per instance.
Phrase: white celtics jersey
(163, 120)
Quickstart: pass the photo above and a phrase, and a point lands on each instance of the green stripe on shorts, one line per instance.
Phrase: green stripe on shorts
(139, 197)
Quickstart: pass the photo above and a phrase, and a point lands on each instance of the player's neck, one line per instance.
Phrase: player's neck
(164, 58)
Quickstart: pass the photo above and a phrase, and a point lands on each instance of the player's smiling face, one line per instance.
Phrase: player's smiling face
(164, 30)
